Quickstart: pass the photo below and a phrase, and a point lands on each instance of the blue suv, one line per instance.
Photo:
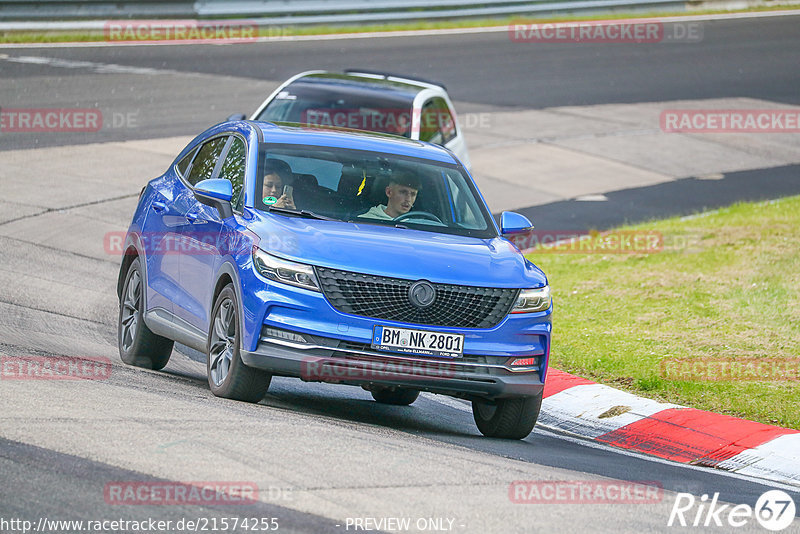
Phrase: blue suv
(338, 257)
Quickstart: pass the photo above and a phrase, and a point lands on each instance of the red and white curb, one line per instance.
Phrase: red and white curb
(687, 435)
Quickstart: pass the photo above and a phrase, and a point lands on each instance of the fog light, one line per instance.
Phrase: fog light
(283, 334)
(523, 362)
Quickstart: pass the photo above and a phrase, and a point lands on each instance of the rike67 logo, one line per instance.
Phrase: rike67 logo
(774, 510)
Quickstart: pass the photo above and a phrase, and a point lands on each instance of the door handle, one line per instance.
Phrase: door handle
(191, 217)
(159, 207)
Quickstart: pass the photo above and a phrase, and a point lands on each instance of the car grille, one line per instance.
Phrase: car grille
(381, 297)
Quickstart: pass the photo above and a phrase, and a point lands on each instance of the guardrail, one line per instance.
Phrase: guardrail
(90, 14)
(29, 10)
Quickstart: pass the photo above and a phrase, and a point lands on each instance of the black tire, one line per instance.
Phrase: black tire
(228, 376)
(396, 396)
(507, 418)
(137, 344)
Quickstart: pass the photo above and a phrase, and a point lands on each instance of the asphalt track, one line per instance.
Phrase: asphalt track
(754, 58)
(334, 452)
(682, 197)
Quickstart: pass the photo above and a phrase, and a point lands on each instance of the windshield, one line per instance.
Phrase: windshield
(370, 188)
(354, 109)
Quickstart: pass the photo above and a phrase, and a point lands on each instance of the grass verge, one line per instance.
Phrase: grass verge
(725, 287)
(278, 32)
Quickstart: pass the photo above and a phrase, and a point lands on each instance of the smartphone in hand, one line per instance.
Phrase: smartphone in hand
(288, 190)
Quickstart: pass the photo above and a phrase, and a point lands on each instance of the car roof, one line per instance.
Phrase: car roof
(354, 139)
(367, 82)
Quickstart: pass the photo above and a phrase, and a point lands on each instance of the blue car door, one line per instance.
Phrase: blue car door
(161, 232)
(196, 254)
(211, 237)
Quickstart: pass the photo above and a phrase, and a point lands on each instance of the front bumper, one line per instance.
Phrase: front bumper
(321, 359)
(325, 345)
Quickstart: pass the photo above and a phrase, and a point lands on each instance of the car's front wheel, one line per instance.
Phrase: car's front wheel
(396, 396)
(228, 376)
(507, 418)
(138, 345)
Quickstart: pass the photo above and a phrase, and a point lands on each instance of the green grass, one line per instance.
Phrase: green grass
(289, 30)
(725, 286)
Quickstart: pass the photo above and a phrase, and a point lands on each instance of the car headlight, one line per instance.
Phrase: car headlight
(285, 271)
(533, 300)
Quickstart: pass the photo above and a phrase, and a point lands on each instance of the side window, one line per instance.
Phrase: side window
(206, 160)
(183, 165)
(436, 122)
(233, 170)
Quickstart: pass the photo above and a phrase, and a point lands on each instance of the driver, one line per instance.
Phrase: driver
(401, 193)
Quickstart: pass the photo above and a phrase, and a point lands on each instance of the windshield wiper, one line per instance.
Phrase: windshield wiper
(377, 222)
(302, 213)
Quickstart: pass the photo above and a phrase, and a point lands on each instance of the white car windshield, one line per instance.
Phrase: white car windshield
(323, 106)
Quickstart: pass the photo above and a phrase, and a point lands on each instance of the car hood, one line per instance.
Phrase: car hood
(397, 252)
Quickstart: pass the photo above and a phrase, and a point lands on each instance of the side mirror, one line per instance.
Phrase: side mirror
(514, 223)
(216, 193)
(237, 117)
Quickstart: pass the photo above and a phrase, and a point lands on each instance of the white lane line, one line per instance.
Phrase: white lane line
(557, 433)
(592, 198)
(452, 402)
(100, 68)
(401, 33)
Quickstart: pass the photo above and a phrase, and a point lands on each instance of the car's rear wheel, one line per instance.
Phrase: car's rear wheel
(228, 376)
(396, 396)
(138, 345)
(507, 418)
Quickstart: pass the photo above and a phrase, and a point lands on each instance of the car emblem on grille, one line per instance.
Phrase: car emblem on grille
(421, 294)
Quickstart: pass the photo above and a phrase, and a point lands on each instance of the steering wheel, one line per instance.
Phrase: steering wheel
(419, 215)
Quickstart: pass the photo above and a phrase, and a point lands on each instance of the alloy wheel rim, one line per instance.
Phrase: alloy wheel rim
(223, 342)
(130, 311)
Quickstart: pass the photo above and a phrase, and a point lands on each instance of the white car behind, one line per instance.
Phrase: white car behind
(367, 100)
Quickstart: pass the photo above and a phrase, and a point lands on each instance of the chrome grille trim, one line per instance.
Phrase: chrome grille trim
(381, 297)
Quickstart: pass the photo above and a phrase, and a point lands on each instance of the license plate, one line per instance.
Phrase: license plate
(422, 342)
